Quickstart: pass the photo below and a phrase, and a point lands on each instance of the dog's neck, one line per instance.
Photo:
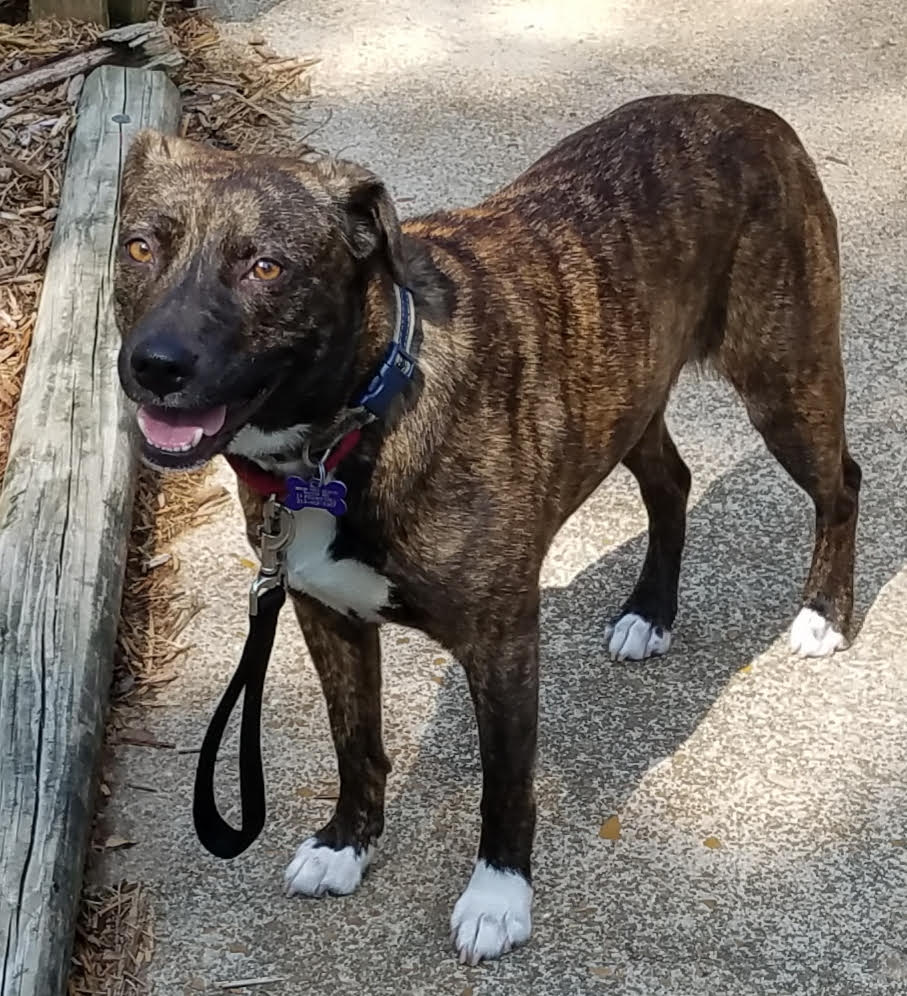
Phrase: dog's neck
(375, 389)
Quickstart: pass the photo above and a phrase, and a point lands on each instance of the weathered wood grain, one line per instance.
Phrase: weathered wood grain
(64, 521)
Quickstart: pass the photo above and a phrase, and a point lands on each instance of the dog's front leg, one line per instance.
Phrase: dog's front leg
(493, 914)
(347, 656)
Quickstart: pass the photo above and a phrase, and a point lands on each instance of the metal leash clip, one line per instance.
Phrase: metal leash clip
(275, 535)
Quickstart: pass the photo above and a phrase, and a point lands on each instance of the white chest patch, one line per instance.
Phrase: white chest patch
(344, 585)
(260, 446)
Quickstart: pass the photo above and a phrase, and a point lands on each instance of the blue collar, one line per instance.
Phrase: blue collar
(399, 364)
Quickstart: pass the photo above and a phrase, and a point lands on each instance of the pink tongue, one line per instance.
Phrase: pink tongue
(168, 428)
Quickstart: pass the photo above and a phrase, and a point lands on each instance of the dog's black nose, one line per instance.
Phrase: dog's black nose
(162, 364)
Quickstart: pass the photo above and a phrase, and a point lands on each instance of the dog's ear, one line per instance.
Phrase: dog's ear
(370, 226)
(367, 214)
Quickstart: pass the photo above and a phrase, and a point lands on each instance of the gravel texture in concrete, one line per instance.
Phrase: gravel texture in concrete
(761, 800)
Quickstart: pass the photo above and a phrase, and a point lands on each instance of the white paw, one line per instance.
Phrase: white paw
(812, 635)
(492, 916)
(635, 638)
(317, 869)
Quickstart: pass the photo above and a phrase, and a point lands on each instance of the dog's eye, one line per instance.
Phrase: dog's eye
(139, 250)
(266, 269)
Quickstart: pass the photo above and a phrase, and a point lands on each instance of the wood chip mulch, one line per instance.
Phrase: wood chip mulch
(114, 941)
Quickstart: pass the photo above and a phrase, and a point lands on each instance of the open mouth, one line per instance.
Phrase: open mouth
(178, 439)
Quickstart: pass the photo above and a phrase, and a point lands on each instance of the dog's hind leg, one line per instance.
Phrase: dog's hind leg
(642, 628)
(782, 352)
(801, 418)
(347, 656)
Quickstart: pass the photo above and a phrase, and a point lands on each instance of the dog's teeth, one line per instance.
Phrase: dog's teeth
(186, 447)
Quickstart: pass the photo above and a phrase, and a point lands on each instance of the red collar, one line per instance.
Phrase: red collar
(265, 484)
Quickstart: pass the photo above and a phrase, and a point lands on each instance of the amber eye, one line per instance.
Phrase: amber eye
(266, 269)
(139, 250)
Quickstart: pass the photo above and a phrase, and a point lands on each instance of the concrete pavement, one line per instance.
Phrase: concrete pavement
(762, 801)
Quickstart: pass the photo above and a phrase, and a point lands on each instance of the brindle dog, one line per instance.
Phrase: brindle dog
(256, 297)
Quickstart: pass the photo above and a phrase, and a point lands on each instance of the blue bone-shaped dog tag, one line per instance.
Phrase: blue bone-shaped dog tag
(329, 495)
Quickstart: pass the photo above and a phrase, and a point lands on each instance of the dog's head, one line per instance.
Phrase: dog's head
(240, 290)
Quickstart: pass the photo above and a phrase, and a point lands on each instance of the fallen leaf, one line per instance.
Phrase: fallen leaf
(899, 843)
(713, 842)
(610, 829)
(115, 843)
(603, 971)
(247, 562)
(237, 947)
(197, 984)
(711, 903)
(140, 738)
(325, 792)
(440, 661)
(745, 669)
(437, 679)
(468, 991)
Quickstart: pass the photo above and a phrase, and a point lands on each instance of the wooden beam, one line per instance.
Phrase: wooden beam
(94, 11)
(64, 522)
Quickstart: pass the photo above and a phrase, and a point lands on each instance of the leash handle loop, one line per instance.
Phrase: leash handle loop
(215, 834)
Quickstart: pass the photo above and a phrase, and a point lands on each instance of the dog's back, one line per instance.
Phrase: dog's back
(671, 200)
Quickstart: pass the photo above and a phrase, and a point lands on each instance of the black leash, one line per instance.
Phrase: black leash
(266, 599)
(216, 835)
